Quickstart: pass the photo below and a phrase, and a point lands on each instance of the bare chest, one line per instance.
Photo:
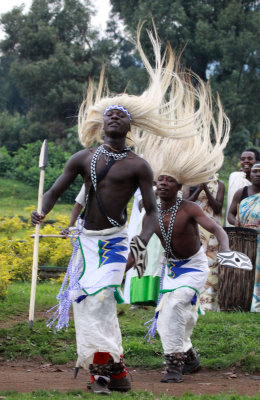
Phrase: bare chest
(110, 173)
(178, 227)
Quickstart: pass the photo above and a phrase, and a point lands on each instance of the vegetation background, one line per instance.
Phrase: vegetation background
(49, 53)
(46, 58)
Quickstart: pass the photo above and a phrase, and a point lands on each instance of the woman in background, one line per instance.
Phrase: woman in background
(248, 200)
(240, 179)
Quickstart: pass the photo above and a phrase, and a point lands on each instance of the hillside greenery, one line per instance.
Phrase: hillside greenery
(49, 53)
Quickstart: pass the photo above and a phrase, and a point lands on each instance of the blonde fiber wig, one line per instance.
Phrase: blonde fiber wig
(196, 159)
(153, 112)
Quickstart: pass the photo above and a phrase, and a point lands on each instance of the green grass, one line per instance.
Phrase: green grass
(222, 339)
(16, 303)
(16, 196)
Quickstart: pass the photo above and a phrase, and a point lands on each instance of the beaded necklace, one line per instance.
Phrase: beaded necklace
(168, 252)
(116, 156)
(108, 157)
(165, 212)
(167, 236)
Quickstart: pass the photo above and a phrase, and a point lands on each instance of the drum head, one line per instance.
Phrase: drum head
(234, 259)
(240, 230)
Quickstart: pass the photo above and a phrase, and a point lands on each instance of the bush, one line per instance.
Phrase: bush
(5, 278)
(13, 130)
(6, 163)
(16, 257)
(11, 225)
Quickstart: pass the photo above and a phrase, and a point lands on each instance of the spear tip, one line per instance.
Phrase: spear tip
(43, 160)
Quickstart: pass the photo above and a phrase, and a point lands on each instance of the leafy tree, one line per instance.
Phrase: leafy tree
(6, 162)
(47, 57)
(13, 130)
(122, 66)
(50, 58)
(10, 99)
(220, 39)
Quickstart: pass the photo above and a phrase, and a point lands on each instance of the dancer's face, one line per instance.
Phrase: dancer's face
(167, 187)
(247, 159)
(116, 122)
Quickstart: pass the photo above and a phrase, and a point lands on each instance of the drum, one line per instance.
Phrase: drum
(236, 285)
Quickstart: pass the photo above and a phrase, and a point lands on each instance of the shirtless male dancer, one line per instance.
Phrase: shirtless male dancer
(184, 276)
(120, 183)
(189, 161)
(111, 173)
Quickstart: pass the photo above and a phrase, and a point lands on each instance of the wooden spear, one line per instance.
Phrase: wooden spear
(43, 161)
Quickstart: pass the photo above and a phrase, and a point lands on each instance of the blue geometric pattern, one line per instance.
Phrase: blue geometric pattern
(108, 251)
(175, 270)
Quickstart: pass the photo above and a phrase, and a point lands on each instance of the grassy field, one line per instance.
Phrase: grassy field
(223, 339)
(16, 197)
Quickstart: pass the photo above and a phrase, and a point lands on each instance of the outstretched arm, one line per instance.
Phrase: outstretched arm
(71, 170)
(211, 226)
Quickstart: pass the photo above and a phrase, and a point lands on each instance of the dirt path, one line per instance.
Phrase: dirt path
(28, 376)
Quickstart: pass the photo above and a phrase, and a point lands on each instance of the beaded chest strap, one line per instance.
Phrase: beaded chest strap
(108, 157)
(167, 236)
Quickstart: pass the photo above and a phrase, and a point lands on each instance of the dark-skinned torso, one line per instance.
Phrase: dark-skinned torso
(116, 188)
(185, 240)
(114, 191)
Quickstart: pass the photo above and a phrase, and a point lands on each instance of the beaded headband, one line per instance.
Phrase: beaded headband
(116, 107)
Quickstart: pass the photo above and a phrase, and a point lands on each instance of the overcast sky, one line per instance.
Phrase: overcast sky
(99, 21)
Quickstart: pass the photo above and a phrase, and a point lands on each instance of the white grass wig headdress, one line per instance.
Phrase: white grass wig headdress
(151, 112)
(193, 160)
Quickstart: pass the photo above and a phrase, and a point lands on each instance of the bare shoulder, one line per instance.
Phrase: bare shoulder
(240, 190)
(238, 193)
(190, 207)
(139, 161)
(142, 166)
(84, 152)
(79, 161)
(82, 155)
